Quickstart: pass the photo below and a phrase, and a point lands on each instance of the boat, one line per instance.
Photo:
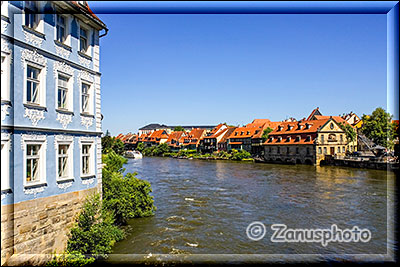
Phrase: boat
(133, 154)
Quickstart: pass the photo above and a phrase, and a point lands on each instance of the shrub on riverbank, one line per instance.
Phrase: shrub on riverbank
(127, 196)
(95, 232)
(234, 155)
(97, 227)
(159, 150)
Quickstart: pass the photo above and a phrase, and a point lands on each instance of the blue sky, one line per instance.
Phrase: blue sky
(206, 69)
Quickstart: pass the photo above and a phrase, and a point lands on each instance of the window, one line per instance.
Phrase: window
(5, 166)
(61, 29)
(341, 138)
(5, 74)
(83, 40)
(32, 163)
(322, 138)
(287, 150)
(308, 151)
(62, 92)
(63, 161)
(325, 151)
(85, 98)
(86, 168)
(319, 150)
(32, 85)
(338, 149)
(31, 14)
(308, 139)
(344, 149)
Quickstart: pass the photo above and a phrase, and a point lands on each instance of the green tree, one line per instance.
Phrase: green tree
(128, 197)
(140, 147)
(110, 143)
(379, 127)
(350, 133)
(178, 129)
(95, 232)
(266, 133)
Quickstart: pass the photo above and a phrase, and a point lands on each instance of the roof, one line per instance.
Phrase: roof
(157, 136)
(175, 136)
(336, 118)
(83, 7)
(235, 143)
(283, 130)
(194, 136)
(245, 132)
(154, 126)
(314, 112)
(229, 131)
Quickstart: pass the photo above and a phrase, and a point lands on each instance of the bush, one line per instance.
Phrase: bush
(70, 259)
(240, 155)
(109, 144)
(128, 197)
(95, 232)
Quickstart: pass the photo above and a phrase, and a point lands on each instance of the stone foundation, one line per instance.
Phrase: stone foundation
(32, 230)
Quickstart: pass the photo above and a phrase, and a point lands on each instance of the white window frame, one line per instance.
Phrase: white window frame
(70, 95)
(5, 76)
(92, 155)
(4, 8)
(89, 40)
(63, 140)
(5, 161)
(35, 140)
(91, 95)
(39, 18)
(67, 29)
(42, 83)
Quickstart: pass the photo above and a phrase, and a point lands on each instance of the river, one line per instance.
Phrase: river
(204, 207)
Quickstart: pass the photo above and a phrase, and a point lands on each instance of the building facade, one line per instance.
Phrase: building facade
(50, 121)
(307, 142)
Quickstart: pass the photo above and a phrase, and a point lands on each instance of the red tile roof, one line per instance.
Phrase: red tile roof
(193, 138)
(229, 131)
(315, 111)
(292, 130)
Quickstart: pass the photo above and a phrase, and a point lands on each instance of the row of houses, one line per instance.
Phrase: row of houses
(306, 141)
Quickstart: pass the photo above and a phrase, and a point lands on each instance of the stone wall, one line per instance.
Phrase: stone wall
(32, 230)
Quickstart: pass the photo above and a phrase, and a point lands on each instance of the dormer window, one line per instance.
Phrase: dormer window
(288, 139)
(308, 139)
(271, 139)
(31, 14)
(236, 133)
(279, 138)
(83, 40)
(280, 128)
(241, 133)
(308, 126)
(257, 131)
(61, 29)
(248, 133)
(289, 127)
(298, 138)
(299, 126)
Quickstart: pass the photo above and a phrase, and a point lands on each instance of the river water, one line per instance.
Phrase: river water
(204, 207)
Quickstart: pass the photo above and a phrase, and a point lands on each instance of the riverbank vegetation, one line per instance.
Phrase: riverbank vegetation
(163, 150)
(98, 226)
(379, 128)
